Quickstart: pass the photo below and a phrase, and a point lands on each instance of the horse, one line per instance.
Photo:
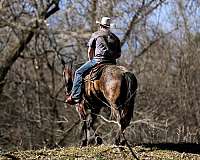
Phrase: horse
(115, 88)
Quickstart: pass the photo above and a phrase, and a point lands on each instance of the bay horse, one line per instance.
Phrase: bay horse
(115, 88)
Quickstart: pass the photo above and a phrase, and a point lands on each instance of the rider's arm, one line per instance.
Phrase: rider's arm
(118, 49)
(91, 47)
(90, 53)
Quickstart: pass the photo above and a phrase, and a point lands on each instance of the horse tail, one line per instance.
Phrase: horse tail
(129, 86)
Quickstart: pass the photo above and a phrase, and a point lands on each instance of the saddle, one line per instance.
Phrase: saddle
(95, 73)
(97, 70)
(92, 76)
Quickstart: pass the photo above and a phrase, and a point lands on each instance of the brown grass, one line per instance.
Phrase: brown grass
(98, 153)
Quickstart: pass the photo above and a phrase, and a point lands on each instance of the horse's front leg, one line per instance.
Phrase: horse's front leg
(84, 141)
(92, 123)
(80, 107)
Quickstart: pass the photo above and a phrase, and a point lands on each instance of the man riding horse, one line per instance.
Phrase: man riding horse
(112, 86)
(103, 47)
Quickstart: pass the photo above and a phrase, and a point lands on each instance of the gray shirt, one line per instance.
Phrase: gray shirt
(106, 45)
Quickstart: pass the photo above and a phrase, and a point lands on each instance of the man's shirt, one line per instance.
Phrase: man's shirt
(106, 45)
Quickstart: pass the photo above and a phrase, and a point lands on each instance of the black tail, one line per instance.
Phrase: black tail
(129, 88)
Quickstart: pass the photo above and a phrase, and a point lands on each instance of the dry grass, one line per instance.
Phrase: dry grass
(98, 153)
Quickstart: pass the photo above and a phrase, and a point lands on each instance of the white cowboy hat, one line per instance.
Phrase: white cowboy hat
(105, 21)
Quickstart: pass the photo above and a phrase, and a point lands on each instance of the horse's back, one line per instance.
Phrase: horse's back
(118, 70)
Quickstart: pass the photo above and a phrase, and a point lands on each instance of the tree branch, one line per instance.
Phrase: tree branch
(8, 60)
(138, 16)
(152, 42)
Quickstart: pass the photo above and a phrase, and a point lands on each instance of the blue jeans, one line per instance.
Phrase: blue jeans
(78, 78)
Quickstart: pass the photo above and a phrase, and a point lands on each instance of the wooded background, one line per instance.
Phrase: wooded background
(160, 42)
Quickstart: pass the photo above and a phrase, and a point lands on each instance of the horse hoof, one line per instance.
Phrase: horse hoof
(98, 140)
(117, 142)
(123, 143)
(84, 143)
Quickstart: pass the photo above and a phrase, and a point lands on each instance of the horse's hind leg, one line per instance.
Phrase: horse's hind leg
(116, 114)
(123, 116)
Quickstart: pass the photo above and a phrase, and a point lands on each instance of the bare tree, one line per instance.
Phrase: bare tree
(163, 57)
(14, 18)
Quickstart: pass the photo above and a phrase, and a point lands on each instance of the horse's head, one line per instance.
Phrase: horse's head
(68, 74)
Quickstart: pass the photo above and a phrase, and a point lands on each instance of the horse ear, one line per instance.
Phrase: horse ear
(70, 63)
(66, 60)
(62, 61)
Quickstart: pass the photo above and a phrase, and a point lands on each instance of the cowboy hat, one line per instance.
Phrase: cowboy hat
(105, 21)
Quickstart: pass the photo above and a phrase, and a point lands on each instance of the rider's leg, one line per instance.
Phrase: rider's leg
(76, 89)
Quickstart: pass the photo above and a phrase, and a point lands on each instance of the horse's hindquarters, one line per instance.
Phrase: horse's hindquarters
(116, 89)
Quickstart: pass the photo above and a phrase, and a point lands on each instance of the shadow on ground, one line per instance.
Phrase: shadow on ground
(180, 147)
